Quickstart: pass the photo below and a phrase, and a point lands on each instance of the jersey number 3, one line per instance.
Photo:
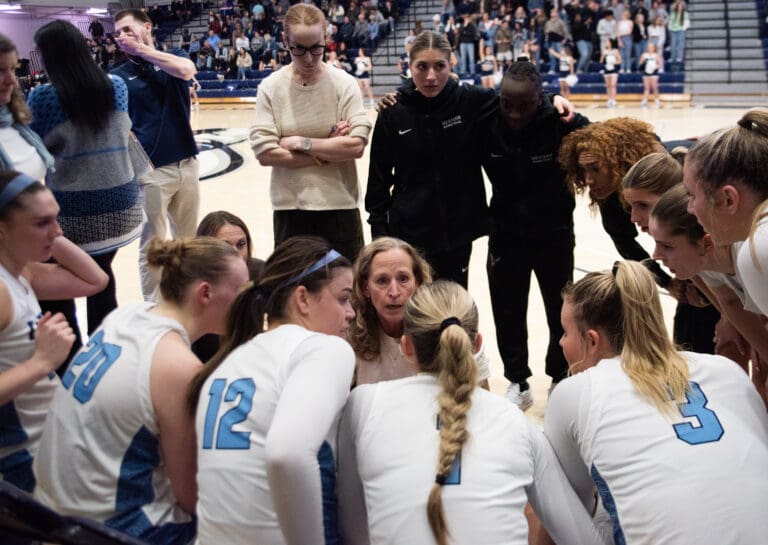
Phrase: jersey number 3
(97, 360)
(226, 437)
(709, 429)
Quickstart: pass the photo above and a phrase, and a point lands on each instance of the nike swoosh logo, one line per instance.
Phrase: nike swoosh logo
(495, 156)
(132, 77)
(404, 132)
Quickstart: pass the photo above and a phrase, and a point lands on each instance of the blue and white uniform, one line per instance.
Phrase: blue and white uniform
(388, 449)
(100, 454)
(733, 281)
(21, 420)
(695, 476)
(266, 433)
(752, 267)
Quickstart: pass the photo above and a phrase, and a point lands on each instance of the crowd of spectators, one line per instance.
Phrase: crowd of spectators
(533, 28)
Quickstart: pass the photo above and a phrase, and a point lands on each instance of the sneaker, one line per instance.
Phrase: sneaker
(644, 104)
(656, 103)
(523, 399)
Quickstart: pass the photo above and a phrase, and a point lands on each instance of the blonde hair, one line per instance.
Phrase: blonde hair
(655, 173)
(441, 319)
(303, 14)
(185, 260)
(624, 305)
(365, 328)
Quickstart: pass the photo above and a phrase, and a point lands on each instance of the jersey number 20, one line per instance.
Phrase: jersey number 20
(226, 437)
(97, 360)
(709, 429)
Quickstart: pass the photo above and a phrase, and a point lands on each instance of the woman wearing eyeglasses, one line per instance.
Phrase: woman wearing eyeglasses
(310, 127)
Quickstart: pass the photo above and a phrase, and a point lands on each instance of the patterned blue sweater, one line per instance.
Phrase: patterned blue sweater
(95, 177)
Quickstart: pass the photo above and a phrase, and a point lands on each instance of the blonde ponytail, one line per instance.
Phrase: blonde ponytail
(441, 319)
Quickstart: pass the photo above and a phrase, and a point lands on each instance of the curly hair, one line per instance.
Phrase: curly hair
(364, 329)
(617, 143)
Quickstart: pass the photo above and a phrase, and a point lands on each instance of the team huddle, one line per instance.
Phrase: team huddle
(337, 392)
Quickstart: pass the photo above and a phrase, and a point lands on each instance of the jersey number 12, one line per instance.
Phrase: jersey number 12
(226, 437)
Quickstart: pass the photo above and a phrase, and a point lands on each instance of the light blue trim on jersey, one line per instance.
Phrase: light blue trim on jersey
(330, 501)
(610, 505)
(134, 490)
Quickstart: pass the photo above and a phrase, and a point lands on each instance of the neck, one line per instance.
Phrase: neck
(392, 330)
(185, 315)
(10, 264)
(720, 260)
(309, 79)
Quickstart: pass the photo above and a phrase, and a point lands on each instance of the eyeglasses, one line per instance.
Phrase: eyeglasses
(300, 51)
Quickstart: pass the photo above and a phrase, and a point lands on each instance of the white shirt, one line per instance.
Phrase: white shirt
(266, 432)
(388, 449)
(667, 480)
(754, 270)
(25, 157)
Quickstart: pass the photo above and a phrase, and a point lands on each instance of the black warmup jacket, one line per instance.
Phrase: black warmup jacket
(425, 183)
(530, 196)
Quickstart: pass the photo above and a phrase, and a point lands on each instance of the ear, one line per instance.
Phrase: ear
(731, 198)
(285, 38)
(706, 244)
(594, 341)
(203, 293)
(301, 298)
(478, 342)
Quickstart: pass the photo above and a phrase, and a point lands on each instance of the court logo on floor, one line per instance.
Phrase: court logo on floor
(216, 154)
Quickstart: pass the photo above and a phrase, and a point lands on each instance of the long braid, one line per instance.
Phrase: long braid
(441, 318)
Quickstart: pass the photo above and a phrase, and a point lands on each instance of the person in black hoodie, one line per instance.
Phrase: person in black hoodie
(426, 147)
(531, 207)
(425, 182)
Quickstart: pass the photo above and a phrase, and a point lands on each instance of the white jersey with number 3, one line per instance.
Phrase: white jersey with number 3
(697, 476)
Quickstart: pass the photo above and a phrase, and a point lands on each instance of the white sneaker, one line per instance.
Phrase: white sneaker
(657, 104)
(644, 104)
(524, 400)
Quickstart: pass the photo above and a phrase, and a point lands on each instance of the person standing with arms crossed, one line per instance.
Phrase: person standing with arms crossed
(158, 105)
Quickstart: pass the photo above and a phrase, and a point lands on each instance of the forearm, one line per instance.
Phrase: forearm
(70, 257)
(750, 325)
(279, 157)
(20, 378)
(338, 149)
(178, 67)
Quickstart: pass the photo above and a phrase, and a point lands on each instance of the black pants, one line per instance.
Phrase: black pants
(694, 328)
(452, 265)
(511, 260)
(97, 305)
(342, 228)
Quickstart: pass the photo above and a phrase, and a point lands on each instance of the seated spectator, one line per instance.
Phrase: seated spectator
(257, 45)
(194, 48)
(346, 32)
(244, 63)
(240, 41)
(214, 41)
(360, 34)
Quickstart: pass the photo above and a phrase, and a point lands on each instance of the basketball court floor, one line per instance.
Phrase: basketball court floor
(233, 180)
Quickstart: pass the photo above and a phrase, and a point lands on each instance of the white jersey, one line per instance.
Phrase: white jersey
(266, 434)
(695, 477)
(390, 364)
(100, 456)
(388, 450)
(733, 281)
(753, 270)
(21, 420)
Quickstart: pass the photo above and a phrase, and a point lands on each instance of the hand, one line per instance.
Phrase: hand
(342, 128)
(53, 341)
(130, 45)
(291, 143)
(725, 334)
(694, 296)
(390, 99)
(565, 108)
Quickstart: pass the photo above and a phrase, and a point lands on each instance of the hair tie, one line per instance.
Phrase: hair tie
(15, 187)
(746, 124)
(258, 292)
(615, 269)
(440, 479)
(448, 322)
